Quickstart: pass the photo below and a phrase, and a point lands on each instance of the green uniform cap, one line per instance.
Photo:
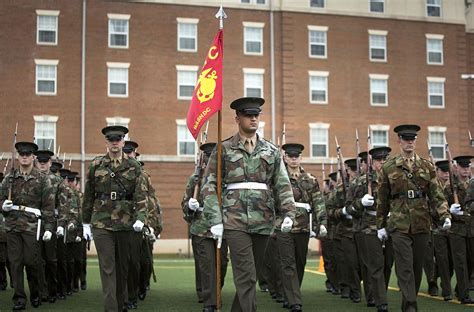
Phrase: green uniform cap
(352, 163)
(248, 105)
(333, 176)
(207, 148)
(463, 161)
(293, 149)
(380, 152)
(115, 132)
(363, 156)
(71, 176)
(130, 146)
(44, 155)
(26, 147)
(55, 166)
(64, 173)
(443, 165)
(407, 132)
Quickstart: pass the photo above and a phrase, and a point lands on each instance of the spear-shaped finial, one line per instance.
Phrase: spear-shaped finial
(221, 15)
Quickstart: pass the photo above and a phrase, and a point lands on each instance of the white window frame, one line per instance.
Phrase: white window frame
(182, 123)
(248, 2)
(256, 25)
(377, 12)
(124, 17)
(320, 126)
(56, 31)
(437, 129)
(442, 81)
(46, 119)
(380, 33)
(261, 129)
(191, 21)
(254, 71)
(114, 65)
(322, 29)
(434, 37)
(440, 5)
(378, 127)
(54, 63)
(119, 121)
(318, 74)
(378, 77)
(185, 68)
(317, 7)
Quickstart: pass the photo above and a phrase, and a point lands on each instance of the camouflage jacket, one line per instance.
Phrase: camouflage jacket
(113, 196)
(331, 222)
(155, 219)
(469, 206)
(364, 219)
(251, 211)
(407, 193)
(35, 191)
(306, 190)
(460, 223)
(197, 224)
(62, 195)
(75, 216)
(345, 224)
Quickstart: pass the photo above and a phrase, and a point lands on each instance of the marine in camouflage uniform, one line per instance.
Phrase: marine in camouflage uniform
(406, 185)
(204, 249)
(469, 207)
(293, 246)
(32, 196)
(3, 250)
(255, 188)
(458, 234)
(115, 205)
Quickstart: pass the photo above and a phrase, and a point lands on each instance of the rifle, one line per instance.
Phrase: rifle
(198, 170)
(470, 138)
(12, 168)
(451, 176)
(323, 170)
(343, 173)
(70, 163)
(146, 232)
(57, 154)
(64, 158)
(283, 135)
(368, 173)
(358, 152)
(430, 151)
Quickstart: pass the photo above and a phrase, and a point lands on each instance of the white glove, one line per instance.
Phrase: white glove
(78, 239)
(455, 209)
(447, 224)
(87, 233)
(60, 231)
(345, 213)
(47, 236)
(71, 226)
(138, 226)
(367, 200)
(382, 234)
(151, 235)
(7, 205)
(286, 225)
(193, 204)
(323, 231)
(217, 232)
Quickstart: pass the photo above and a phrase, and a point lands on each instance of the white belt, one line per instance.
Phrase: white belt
(371, 212)
(34, 211)
(303, 205)
(247, 186)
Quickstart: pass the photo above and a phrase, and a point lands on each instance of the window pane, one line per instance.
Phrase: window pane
(187, 34)
(118, 88)
(319, 150)
(378, 85)
(187, 43)
(317, 3)
(379, 138)
(47, 36)
(186, 91)
(376, 6)
(318, 50)
(438, 152)
(46, 86)
(318, 96)
(46, 72)
(436, 137)
(253, 47)
(260, 1)
(434, 57)
(244, 1)
(436, 100)
(118, 40)
(118, 26)
(377, 54)
(378, 98)
(118, 74)
(186, 148)
(254, 92)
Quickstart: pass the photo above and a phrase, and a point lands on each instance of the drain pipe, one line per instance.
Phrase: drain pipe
(83, 94)
(272, 72)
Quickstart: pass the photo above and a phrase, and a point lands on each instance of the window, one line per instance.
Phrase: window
(317, 41)
(319, 139)
(377, 6)
(118, 79)
(379, 135)
(46, 77)
(435, 92)
(253, 38)
(433, 8)
(261, 129)
(378, 45)
(434, 49)
(253, 82)
(378, 90)
(186, 143)
(437, 142)
(244, 1)
(119, 121)
(253, 1)
(118, 30)
(316, 3)
(45, 132)
(47, 27)
(186, 81)
(318, 87)
(260, 1)
(187, 34)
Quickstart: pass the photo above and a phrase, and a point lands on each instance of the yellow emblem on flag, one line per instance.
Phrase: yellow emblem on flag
(207, 85)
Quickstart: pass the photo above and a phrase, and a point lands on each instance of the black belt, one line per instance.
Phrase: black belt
(113, 196)
(410, 194)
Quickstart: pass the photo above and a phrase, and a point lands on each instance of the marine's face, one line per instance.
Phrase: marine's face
(25, 158)
(377, 164)
(464, 172)
(115, 144)
(248, 123)
(407, 145)
(293, 161)
(442, 175)
(43, 166)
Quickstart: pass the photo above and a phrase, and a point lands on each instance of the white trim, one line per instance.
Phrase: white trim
(117, 120)
(434, 5)
(434, 36)
(48, 12)
(118, 16)
(379, 127)
(436, 79)
(181, 122)
(45, 118)
(378, 76)
(187, 67)
(56, 31)
(46, 62)
(318, 28)
(118, 65)
(437, 129)
(247, 70)
(109, 33)
(181, 69)
(319, 125)
(253, 24)
(440, 80)
(318, 73)
(378, 32)
(186, 20)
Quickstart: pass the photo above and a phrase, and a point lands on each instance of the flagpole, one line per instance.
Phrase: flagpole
(220, 15)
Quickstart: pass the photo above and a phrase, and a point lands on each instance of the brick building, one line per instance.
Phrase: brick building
(325, 68)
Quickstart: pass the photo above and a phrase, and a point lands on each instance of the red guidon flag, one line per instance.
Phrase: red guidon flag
(207, 95)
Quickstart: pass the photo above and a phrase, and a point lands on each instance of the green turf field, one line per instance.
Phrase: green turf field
(174, 291)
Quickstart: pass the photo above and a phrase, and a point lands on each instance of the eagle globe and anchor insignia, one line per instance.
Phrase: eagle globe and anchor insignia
(207, 79)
